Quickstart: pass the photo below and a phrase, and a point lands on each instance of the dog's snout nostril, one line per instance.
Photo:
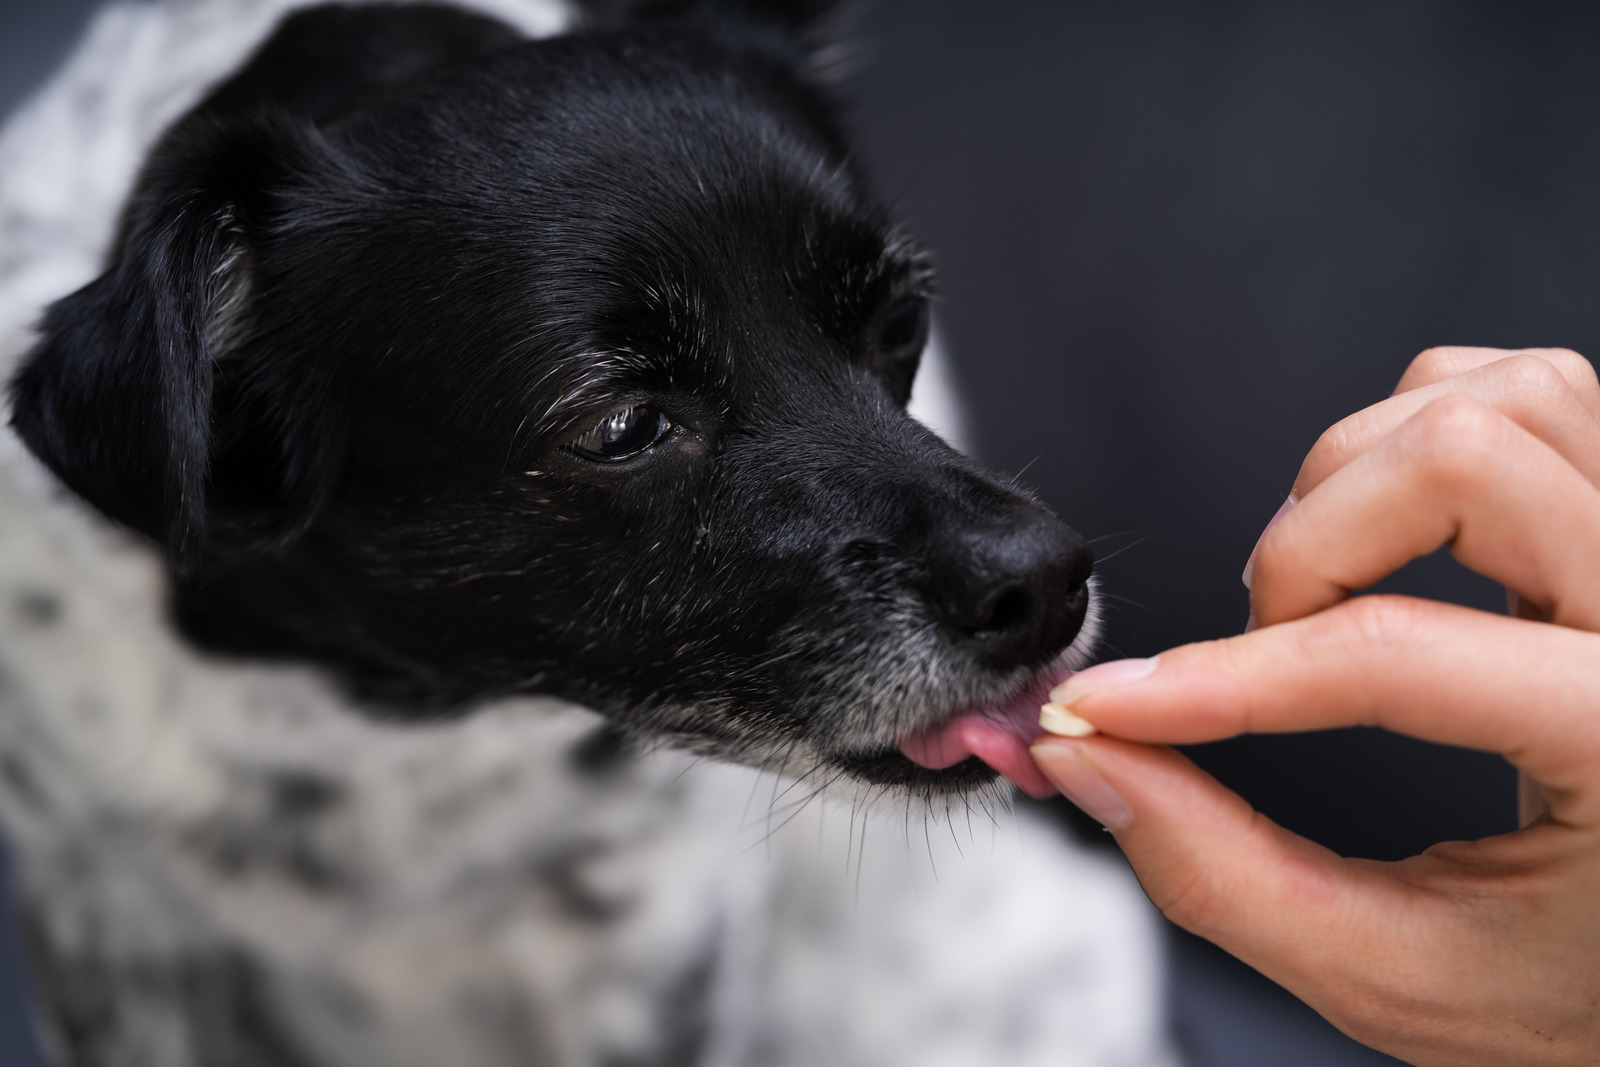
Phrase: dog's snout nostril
(1011, 609)
(1013, 592)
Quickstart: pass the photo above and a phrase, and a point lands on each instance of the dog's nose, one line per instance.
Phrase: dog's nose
(1016, 589)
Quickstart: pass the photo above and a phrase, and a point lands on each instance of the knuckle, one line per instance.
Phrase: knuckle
(1335, 441)
(1432, 365)
(1436, 356)
(1566, 359)
(1369, 620)
(1532, 377)
(1448, 361)
(1456, 413)
(1577, 373)
(1372, 628)
(1277, 554)
(1452, 437)
(1340, 442)
(1580, 372)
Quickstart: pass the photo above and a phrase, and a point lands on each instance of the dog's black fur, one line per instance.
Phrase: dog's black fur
(470, 366)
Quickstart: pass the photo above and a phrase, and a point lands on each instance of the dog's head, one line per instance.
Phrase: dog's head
(577, 366)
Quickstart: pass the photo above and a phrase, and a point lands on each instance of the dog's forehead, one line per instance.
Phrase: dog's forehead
(600, 158)
(587, 130)
(684, 204)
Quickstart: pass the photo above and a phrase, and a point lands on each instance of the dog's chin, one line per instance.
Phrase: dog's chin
(972, 748)
(968, 749)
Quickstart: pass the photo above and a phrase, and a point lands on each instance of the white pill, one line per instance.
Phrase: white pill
(1058, 720)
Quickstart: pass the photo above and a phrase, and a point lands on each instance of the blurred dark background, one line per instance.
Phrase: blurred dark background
(1176, 242)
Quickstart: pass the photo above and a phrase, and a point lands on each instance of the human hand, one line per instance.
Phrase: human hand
(1473, 953)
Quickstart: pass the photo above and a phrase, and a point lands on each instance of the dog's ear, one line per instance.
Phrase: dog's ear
(817, 32)
(116, 398)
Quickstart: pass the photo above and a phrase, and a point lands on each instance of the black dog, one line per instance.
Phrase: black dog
(464, 368)
(470, 366)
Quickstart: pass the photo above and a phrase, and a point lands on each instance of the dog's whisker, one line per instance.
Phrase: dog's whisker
(1116, 652)
(1117, 598)
(1017, 477)
(777, 779)
(861, 858)
(785, 810)
(850, 842)
(1125, 605)
(1117, 533)
(692, 764)
(1124, 548)
(755, 786)
(951, 823)
(911, 867)
(983, 802)
(801, 806)
(928, 161)
(796, 782)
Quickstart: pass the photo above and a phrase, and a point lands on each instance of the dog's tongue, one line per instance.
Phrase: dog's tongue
(999, 736)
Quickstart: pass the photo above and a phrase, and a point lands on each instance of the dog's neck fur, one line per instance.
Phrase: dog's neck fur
(222, 864)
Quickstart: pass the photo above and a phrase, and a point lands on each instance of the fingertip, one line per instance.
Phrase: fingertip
(1181, 696)
(1070, 767)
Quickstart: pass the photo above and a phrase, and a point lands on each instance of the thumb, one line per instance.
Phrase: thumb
(1211, 863)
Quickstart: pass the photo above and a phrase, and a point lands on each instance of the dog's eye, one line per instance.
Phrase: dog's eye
(905, 327)
(622, 435)
(901, 335)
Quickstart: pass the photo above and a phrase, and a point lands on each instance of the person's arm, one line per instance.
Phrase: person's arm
(1474, 953)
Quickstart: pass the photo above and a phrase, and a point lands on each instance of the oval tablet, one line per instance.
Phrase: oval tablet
(1059, 721)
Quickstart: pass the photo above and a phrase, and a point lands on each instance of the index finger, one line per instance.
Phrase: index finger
(1412, 666)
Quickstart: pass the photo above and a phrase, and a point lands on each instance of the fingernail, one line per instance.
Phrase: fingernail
(1067, 764)
(1101, 676)
(1250, 624)
(1250, 564)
